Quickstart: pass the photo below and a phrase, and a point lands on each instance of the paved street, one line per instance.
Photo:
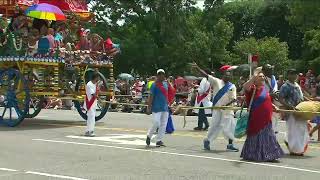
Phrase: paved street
(52, 147)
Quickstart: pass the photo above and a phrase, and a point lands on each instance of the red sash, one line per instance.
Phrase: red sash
(90, 102)
(201, 97)
(169, 94)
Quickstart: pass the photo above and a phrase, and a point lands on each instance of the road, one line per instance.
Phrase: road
(52, 147)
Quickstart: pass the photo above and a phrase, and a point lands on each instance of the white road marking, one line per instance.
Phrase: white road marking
(42, 116)
(9, 170)
(124, 139)
(181, 154)
(54, 175)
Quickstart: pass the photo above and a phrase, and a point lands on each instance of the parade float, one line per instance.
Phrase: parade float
(33, 70)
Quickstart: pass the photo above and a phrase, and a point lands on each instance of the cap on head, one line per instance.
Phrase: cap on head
(160, 71)
(292, 72)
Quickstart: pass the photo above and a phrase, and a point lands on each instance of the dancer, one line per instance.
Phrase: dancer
(225, 94)
(91, 103)
(161, 94)
(297, 131)
(261, 143)
(271, 86)
(203, 100)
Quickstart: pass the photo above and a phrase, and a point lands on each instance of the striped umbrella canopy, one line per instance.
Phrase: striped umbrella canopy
(45, 11)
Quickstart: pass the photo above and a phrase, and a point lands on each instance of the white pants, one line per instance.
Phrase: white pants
(222, 120)
(160, 120)
(275, 121)
(91, 121)
(297, 136)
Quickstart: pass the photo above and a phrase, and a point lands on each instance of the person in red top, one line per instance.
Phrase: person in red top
(302, 81)
(261, 144)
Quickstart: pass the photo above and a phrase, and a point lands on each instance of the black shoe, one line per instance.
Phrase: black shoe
(159, 144)
(148, 140)
(206, 128)
(197, 128)
(232, 148)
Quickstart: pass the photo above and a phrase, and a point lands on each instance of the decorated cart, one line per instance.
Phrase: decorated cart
(32, 72)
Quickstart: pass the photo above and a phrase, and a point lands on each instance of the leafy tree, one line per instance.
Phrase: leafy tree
(269, 50)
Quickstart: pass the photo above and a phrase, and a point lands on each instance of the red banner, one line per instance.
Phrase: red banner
(76, 6)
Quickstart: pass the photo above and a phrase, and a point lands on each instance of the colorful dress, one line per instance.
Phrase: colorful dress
(261, 143)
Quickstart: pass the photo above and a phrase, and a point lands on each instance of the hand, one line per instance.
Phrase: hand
(275, 108)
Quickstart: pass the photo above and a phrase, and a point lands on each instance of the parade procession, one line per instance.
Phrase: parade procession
(114, 90)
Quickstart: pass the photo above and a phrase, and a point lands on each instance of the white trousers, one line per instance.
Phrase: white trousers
(275, 121)
(160, 120)
(91, 121)
(224, 121)
(298, 135)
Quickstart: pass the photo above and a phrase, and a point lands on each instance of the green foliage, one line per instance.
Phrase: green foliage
(171, 33)
(269, 50)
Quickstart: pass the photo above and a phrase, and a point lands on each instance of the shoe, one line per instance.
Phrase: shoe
(197, 128)
(159, 144)
(87, 134)
(205, 128)
(231, 147)
(206, 144)
(296, 154)
(148, 140)
(91, 134)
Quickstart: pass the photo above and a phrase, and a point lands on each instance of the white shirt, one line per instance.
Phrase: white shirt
(91, 89)
(203, 88)
(216, 85)
(268, 87)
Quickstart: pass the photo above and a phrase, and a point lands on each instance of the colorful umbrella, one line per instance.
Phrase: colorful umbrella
(45, 11)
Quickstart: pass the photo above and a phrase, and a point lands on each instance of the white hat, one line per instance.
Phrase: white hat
(160, 71)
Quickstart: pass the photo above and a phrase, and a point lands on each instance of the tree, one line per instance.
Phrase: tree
(304, 14)
(269, 50)
(312, 53)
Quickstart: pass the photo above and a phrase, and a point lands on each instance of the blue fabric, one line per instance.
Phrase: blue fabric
(316, 120)
(273, 82)
(257, 102)
(291, 94)
(242, 125)
(43, 46)
(262, 147)
(159, 103)
(170, 126)
(221, 93)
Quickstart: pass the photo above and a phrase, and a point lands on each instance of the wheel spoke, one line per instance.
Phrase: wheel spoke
(4, 111)
(10, 110)
(17, 111)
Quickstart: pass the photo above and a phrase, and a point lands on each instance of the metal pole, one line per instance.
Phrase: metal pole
(250, 63)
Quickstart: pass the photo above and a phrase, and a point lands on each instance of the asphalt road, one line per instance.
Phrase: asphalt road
(52, 147)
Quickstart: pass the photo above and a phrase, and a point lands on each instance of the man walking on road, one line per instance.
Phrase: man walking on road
(224, 94)
(161, 93)
(91, 104)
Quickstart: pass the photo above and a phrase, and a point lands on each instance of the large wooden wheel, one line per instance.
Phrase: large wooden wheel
(15, 97)
(102, 108)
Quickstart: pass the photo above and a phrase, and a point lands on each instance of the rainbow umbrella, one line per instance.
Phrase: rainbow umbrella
(45, 11)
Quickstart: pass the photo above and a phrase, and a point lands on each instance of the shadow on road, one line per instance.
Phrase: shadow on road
(40, 124)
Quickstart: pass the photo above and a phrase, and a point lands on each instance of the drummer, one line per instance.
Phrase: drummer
(297, 131)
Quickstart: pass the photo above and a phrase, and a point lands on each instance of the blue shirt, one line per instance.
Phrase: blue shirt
(291, 93)
(159, 103)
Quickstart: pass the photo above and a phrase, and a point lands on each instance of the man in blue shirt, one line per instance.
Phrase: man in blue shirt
(158, 106)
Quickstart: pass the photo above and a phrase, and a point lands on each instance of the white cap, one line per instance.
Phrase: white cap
(160, 71)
